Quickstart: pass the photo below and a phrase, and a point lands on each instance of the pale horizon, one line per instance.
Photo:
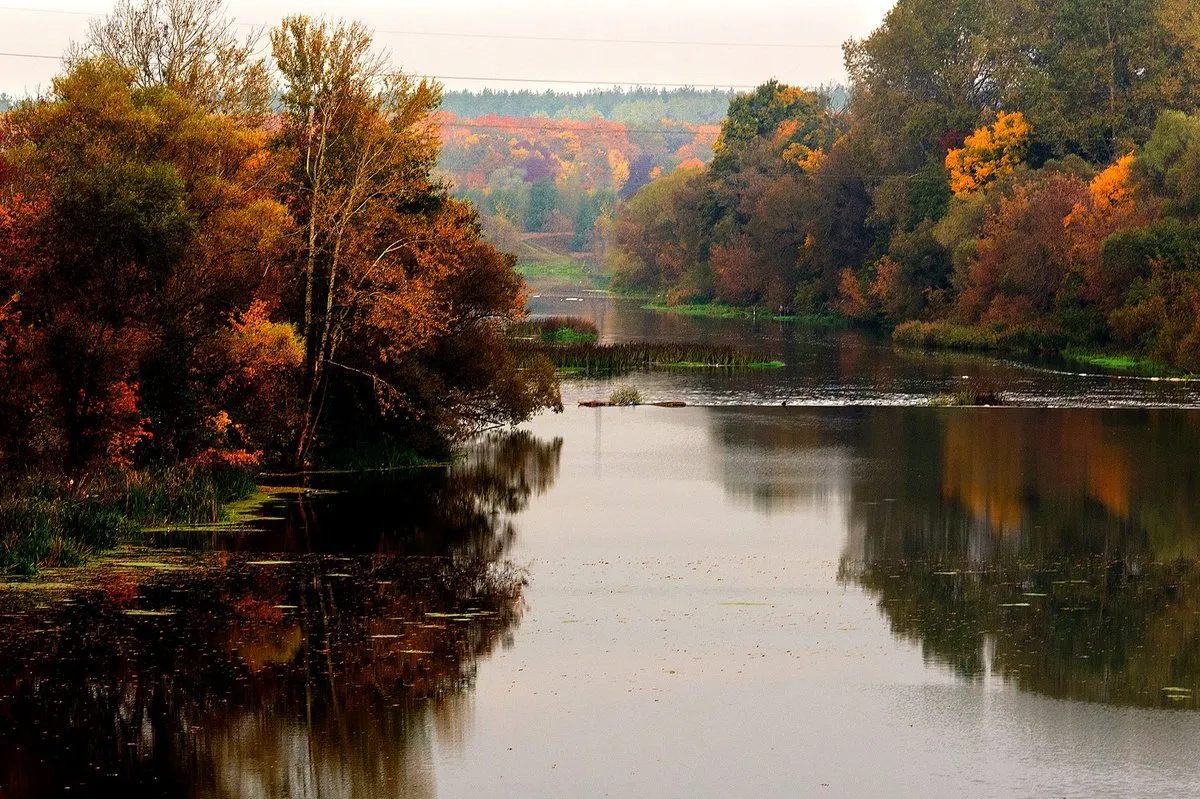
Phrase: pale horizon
(668, 43)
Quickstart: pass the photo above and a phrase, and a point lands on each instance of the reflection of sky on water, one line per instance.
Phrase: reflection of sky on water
(700, 609)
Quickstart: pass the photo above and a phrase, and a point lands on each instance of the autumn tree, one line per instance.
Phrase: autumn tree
(190, 47)
(145, 225)
(1024, 257)
(990, 153)
(392, 287)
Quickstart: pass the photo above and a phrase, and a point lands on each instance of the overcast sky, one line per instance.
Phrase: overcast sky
(478, 50)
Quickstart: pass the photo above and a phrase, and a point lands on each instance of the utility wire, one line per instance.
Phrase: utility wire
(501, 80)
(591, 82)
(32, 55)
(514, 36)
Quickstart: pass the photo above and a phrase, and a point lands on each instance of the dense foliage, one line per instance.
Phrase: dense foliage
(1006, 174)
(186, 278)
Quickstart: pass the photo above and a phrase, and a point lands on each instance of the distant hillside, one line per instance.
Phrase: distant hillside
(637, 105)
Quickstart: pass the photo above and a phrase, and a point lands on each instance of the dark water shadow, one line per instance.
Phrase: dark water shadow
(328, 667)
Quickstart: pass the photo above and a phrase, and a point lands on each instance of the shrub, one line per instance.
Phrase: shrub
(625, 395)
(943, 335)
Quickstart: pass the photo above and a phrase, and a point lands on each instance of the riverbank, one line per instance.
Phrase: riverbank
(946, 336)
(48, 521)
(562, 270)
(718, 311)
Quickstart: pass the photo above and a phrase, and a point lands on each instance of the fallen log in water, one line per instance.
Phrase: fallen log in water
(606, 404)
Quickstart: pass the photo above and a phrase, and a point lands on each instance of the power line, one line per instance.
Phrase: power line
(52, 11)
(589, 128)
(590, 82)
(32, 55)
(516, 36)
(502, 80)
(589, 40)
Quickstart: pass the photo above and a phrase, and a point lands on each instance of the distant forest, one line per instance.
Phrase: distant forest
(636, 105)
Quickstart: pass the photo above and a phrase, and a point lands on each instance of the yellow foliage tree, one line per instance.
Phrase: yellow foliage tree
(991, 152)
(1111, 191)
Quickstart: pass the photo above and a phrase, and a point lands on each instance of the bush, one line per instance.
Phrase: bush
(943, 335)
(625, 395)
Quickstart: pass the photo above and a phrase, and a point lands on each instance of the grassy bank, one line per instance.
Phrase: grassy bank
(964, 338)
(718, 311)
(52, 521)
(1129, 364)
(561, 269)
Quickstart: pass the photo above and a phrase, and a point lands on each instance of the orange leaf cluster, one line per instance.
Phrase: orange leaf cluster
(991, 152)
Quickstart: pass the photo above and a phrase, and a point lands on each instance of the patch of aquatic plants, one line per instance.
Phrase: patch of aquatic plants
(1029, 340)
(55, 521)
(596, 359)
(981, 394)
(557, 330)
(625, 394)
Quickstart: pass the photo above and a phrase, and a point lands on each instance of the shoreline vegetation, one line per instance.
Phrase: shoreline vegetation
(224, 256)
(562, 270)
(572, 346)
(1043, 206)
(49, 521)
(721, 311)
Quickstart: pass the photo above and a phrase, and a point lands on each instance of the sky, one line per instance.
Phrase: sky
(472, 43)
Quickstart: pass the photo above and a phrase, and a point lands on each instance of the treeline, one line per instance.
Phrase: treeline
(1005, 175)
(187, 277)
(635, 106)
(560, 176)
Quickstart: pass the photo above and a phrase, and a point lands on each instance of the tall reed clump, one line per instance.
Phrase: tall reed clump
(557, 330)
(626, 357)
(943, 335)
(57, 522)
(625, 395)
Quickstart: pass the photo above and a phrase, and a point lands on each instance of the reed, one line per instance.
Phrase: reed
(557, 330)
(593, 359)
(49, 520)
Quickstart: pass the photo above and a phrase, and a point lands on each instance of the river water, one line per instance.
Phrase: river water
(851, 595)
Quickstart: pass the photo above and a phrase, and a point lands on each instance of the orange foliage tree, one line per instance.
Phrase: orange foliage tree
(392, 283)
(990, 153)
(146, 223)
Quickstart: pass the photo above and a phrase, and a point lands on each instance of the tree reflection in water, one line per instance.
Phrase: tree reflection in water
(300, 674)
(1054, 549)
(1058, 549)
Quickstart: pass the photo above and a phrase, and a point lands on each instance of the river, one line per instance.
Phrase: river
(851, 595)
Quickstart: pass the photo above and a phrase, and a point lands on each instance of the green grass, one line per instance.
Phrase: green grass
(719, 311)
(561, 269)
(1131, 364)
(52, 521)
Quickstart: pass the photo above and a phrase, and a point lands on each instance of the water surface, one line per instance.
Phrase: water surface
(735, 599)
